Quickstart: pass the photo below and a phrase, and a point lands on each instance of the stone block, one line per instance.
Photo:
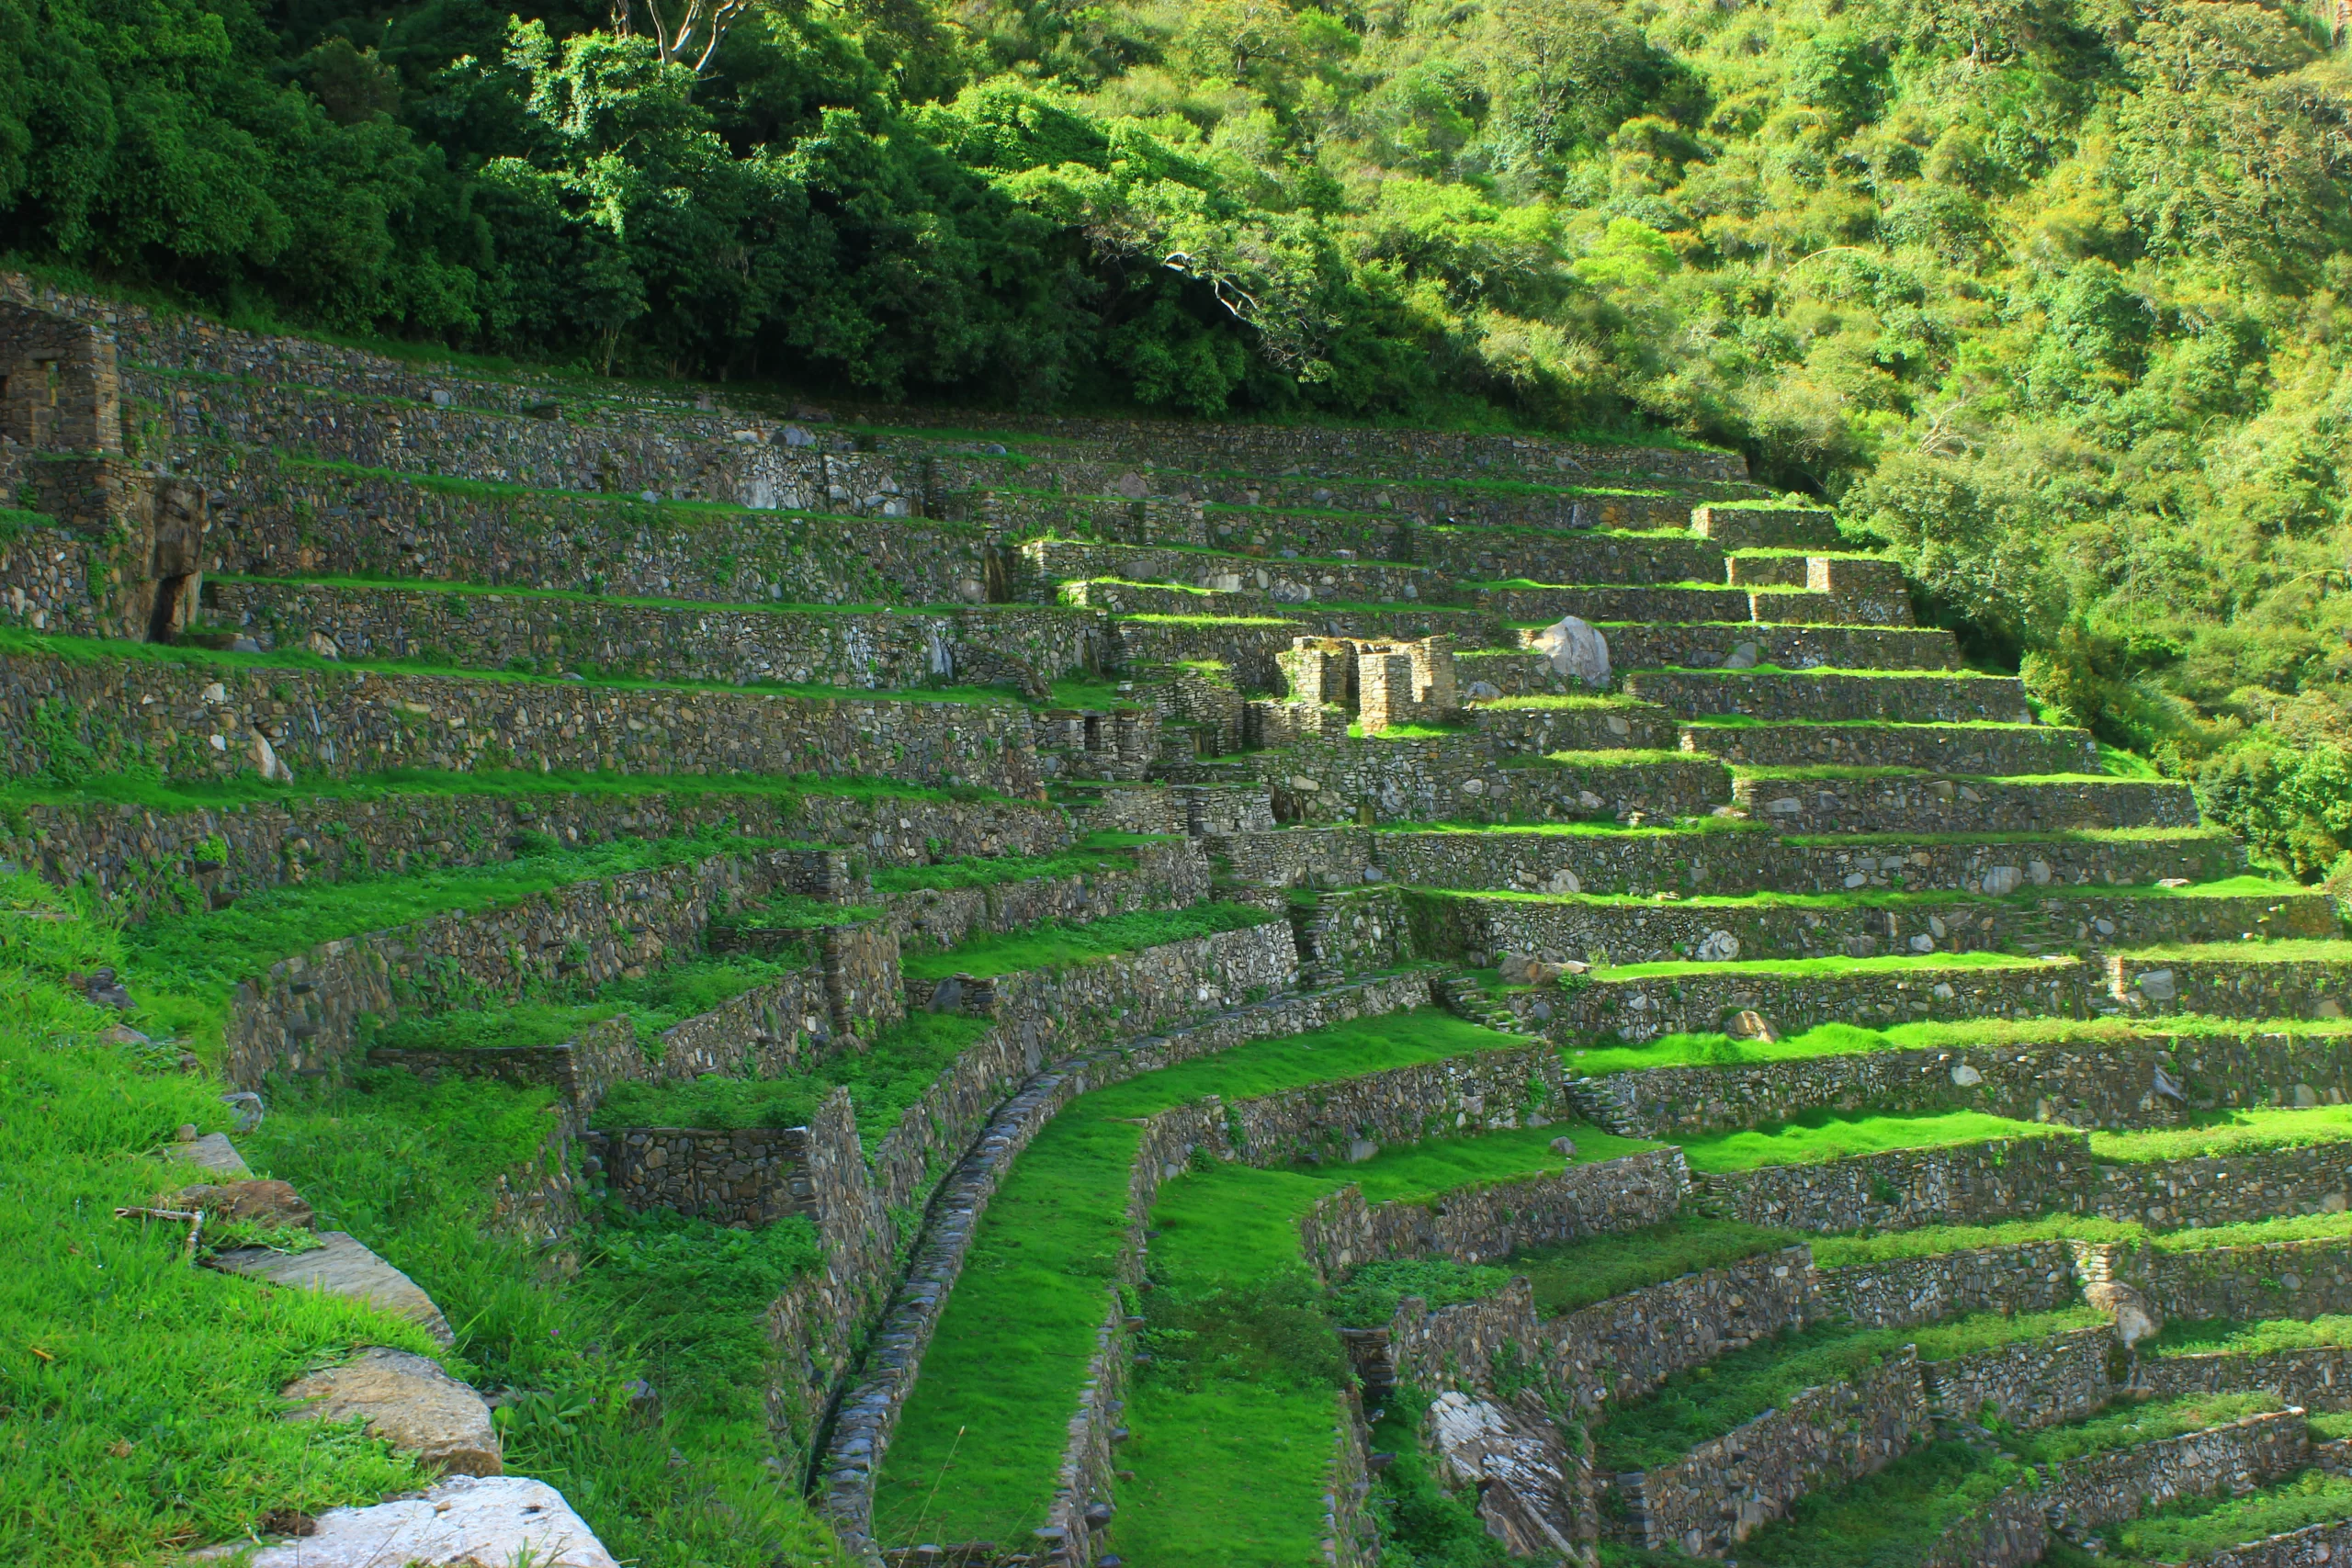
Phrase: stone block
(411, 1404)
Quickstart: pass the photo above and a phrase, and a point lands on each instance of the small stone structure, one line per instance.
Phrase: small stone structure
(59, 388)
(1385, 683)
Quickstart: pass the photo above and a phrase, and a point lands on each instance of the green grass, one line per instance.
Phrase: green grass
(582, 596)
(2130, 1423)
(2229, 1133)
(1003, 1369)
(884, 1079)
(1566, 704)
(1056, 944)
(1824, 1136)
(2181, 1336)
(2281, 951)
(2194, 1527)
(1706, 1402)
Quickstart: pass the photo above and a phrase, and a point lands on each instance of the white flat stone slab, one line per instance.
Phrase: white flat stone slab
(342, 1267)
(464, 1522)
(411, 1404)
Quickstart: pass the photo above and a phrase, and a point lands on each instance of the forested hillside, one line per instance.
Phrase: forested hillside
(2047, 293)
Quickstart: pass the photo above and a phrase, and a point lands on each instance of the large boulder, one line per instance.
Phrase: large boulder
(2134, 1316)
(464, 1522)
(1576, 649)
(1520, 1467)
(408, 1402)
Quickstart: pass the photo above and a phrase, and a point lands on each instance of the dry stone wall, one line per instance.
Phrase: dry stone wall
(143, 859)
(1475, 554)
(1479, 1225)
(1904, 1292)
(1912, 699)
(277, 516)
(1465, 780)
(1028, 648)
(1755, 860)
(2102, 1489)
(1728, 1488)
(1911, 804)
(1538, 732)
(2222, 984)
(1700, 1002)
(204, 720)
(2243, 1284)
(2087, 1083)
(1968, 748)
(2002, 1178)
(303, 1015)
(2030, 1383)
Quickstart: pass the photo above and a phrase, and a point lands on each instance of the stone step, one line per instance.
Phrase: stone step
(410, 1403)
(1697, 999)
(1573, 724)
(1821, 801)
(1985, 749)
(1757, 859)
(2249, 980)
(1478, 929)
(1832, 696)
(1046, 565)
(342, 1267)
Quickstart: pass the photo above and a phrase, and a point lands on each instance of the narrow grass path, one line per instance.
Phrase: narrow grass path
(1234, 1417)
(979, 1444)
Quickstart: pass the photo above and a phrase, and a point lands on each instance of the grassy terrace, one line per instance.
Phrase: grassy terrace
(187, 962)
(1706, 1402)
(1061, 942)
(1875, 899)
(1894, 1515)
(1233, 1416)
(2194, 1528)
(96, 650)
(1847, 1038)
(980, 1441)
(511, 783)
(573, 596)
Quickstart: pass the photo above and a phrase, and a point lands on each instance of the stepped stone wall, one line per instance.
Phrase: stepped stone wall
(2109, 1488)
(2087, 1083)
(2311, 1547)
(1481, 928)
(1702, 646)
(1726, 1489)
(202, 720)
(1485, 555)
(1461, 779)
(1342, 1230)
(1912, 699)
(1048, 562)
(2029, 1384)
(1537, 732)
(2222, 985)
(1028, 648)
(1908, 804)
(2316, 1377)
(303, 1014)
(2002, 1178)
(281, 516)
(1982, 750)
(2244, 1284)
(1755, 861)
(1610, 603)
(1648, 1007)
(1165, 876)
(743, 1178)
(143, 860)
(1904, 1292)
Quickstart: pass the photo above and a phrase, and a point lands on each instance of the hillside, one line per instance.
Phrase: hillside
(694, 984)
(2047, 294)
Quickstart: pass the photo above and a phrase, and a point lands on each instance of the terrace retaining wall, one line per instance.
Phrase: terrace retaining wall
(206, 720)
(2029, 1384)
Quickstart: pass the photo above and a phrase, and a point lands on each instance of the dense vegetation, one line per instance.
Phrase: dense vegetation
(2045, 291)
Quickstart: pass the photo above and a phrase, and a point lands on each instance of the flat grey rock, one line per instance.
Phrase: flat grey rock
(411, 1404)
(214, 1152)
(464, 1522)
(342, 1267)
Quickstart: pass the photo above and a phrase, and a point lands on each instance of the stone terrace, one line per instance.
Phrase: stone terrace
(1596, 744)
